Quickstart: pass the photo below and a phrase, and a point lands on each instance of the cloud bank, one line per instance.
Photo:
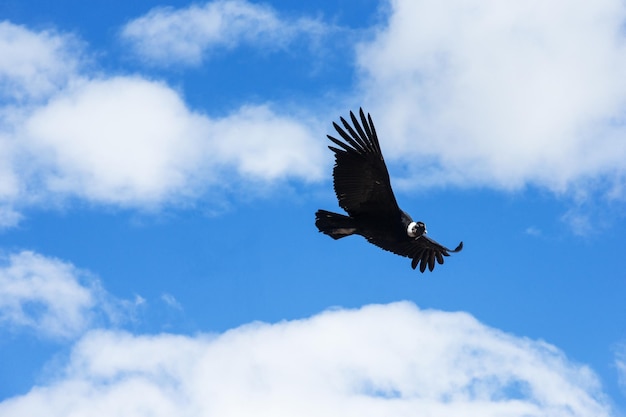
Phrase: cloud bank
(502, 93)
(379, 360)
(170, 36)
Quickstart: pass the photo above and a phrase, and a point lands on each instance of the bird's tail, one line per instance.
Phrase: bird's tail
(334, 225)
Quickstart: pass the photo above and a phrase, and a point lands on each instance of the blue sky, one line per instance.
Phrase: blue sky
(160, 166)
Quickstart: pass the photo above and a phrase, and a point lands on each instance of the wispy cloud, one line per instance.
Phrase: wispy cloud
(620, 365)
(501, 93)
(577, 221)
(53, 298)
(187, 36)
(380, 360)
(171, 301)
(533, 231)
(9, 217)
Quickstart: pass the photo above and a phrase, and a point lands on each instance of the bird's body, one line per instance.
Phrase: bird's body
(363, 189)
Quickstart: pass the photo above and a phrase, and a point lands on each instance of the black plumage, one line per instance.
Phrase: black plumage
(363, 188)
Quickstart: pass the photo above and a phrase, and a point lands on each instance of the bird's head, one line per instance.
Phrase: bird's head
(416, 229)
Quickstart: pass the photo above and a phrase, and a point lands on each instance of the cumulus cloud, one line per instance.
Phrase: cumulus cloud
(120, 140)
(380, 360)
(52, 297)
(34, 64)
(501, 93)
(126, 140)
(186, 36)
(262, 144)
(133, 142)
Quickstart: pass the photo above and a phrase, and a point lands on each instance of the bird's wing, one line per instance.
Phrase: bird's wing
(360, 176)
(422, 250)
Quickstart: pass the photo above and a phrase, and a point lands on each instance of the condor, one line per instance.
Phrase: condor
(363, 188)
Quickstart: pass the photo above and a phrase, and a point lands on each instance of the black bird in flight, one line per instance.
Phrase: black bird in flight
(363, 188)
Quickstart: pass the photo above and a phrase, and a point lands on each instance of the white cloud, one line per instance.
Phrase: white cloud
(119, 140)
(52, 297)
(126, 141)
(620, 365)
(578, 222)
(34, 64)
(171, 301)
(380, 360)
(502, 93)
(264, 145)
(186, 36)
(533, 231)
(133, 142)
(497, 93)
(9, 217)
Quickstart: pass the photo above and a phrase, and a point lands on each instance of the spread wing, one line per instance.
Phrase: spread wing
(360, 176)
(423, 251)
